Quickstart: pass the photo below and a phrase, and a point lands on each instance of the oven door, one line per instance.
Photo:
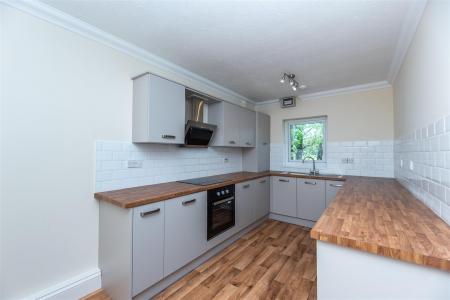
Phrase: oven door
(220, 216)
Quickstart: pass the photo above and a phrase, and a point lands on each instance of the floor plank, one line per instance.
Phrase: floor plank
(273, 261)
(97, 295)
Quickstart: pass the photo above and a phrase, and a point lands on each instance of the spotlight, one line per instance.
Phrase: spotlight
(292, 82)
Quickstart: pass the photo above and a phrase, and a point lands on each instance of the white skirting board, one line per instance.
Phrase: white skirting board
(73, 288)
(345, 273)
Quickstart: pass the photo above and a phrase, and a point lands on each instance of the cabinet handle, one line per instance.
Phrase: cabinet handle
(262, 181)
(232, 142)
(336, 185)
(248, 143)
(246, 186)
(312, 183)
(168, 136)
(283, 180)
(187, 202)
(150, 212)
(227, 200)
(264, 144)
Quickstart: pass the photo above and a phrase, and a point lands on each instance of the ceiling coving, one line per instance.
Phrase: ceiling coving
(241, 46)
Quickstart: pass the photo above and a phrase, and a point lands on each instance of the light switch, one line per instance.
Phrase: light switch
(411, 165)
(401, 163)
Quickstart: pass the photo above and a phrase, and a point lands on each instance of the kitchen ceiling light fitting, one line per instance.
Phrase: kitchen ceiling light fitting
(292, 82)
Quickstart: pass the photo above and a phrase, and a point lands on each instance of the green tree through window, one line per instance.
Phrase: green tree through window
(306, 139)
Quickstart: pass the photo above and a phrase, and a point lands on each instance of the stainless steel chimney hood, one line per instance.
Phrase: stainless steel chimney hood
(197, 133)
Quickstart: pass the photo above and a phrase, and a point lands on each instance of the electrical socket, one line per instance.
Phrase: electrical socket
(134, 164)
(347, 160)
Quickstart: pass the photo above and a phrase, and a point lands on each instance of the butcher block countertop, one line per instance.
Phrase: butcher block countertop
(380, 216)
(136, 196)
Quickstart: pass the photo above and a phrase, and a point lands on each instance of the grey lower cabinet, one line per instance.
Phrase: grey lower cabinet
(252, 201)
(148, 246)
(283, 196)
(332, 187)
(185, 230)
(262, 197)
(310, 198)
(244, 194)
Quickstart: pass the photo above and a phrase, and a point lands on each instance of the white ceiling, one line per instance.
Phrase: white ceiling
(245, 46)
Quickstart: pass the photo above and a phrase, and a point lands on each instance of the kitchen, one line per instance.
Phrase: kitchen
(177, 155)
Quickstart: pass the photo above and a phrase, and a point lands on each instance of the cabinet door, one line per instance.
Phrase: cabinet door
(231, 116)
(247, 127)
(310, 198)
(148, 246)
(244, 203)
(262, 199)
(166, 111)
(263, 140)
(284, 196)
(331, 190)
(185, 230)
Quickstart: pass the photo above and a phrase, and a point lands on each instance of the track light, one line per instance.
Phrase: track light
(292, 82)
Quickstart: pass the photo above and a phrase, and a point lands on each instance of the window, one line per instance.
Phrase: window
(306, 139)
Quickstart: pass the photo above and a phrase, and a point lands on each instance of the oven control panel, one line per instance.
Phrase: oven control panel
(222, 192)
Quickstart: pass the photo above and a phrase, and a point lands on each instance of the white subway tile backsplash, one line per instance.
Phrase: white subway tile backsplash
(429, 152)
(370, 158)
(160, 163)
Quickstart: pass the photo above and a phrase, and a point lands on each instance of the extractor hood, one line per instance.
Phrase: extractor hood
(197, 132)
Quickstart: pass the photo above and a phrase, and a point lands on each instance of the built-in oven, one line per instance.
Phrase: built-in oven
(221, 210)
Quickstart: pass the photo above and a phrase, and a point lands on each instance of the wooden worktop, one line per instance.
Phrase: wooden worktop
(136, 196)
(378, 215)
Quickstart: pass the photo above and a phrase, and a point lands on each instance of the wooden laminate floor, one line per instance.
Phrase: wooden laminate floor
(274, 261)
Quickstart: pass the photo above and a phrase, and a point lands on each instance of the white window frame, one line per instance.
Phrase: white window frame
(286, 157)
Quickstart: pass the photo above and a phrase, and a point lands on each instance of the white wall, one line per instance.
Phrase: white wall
(366, 115)
(359, 125)
(62, 92)
(422, 112)
(422, 87)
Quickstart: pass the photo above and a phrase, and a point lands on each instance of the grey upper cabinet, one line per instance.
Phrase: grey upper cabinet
(262, 197)
(310, 198)
(185, 230)
(332, 187)
(148, 246)
(247, 127)
(257, 159)
(236, 126)
(158, 110)
(283, 198)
